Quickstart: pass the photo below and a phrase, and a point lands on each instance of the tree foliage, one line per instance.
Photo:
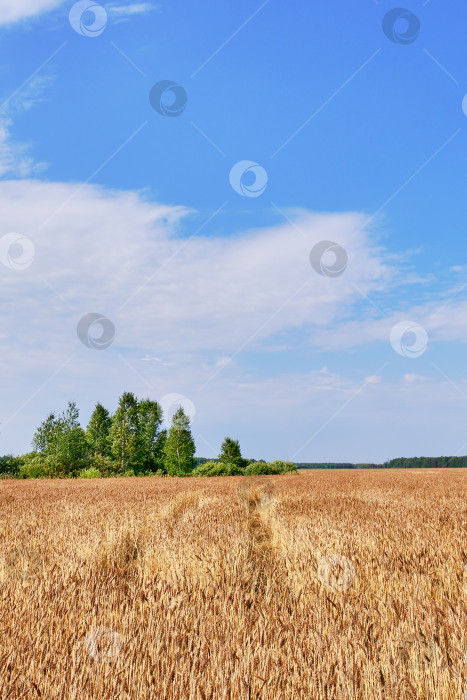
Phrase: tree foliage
(231, 454)
(151, 439)
(179, 448)
(132, 441)
(97, 432)
(61, 442)
(123, 434)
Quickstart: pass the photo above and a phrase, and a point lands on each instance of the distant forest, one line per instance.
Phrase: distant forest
(398, 463)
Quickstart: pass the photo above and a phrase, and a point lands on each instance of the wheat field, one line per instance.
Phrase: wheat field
(323, 584)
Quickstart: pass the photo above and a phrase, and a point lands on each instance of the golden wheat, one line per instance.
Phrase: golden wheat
(322, 585)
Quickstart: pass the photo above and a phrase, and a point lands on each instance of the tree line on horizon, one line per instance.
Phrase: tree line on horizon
(130, 442)
(396, 463)
(133, 442)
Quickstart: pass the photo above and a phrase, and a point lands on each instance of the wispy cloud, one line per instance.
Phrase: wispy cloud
(31, 94)
(138, 8)
(15, 158)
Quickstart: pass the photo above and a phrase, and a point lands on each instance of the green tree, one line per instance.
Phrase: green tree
(10, 465)
(123, 434)
(45, 435)
(61, 442)
(149, 421)
(97, 432)
(230, 453)
(159, 456)
(179, 449)
(72, 445)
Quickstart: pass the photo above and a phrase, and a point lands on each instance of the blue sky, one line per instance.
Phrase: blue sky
(110, 207)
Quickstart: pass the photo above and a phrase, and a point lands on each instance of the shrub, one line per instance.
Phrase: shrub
(212, 468)
(223, 469)
(255, 468)
(33, 466)
(89, 473)
(278, 466)
(283, 467)
(127, 474)
(34, 469)
(204, 469)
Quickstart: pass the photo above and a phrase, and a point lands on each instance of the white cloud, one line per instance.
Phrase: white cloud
(114, 252)
(172, 298)
(14, 10)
